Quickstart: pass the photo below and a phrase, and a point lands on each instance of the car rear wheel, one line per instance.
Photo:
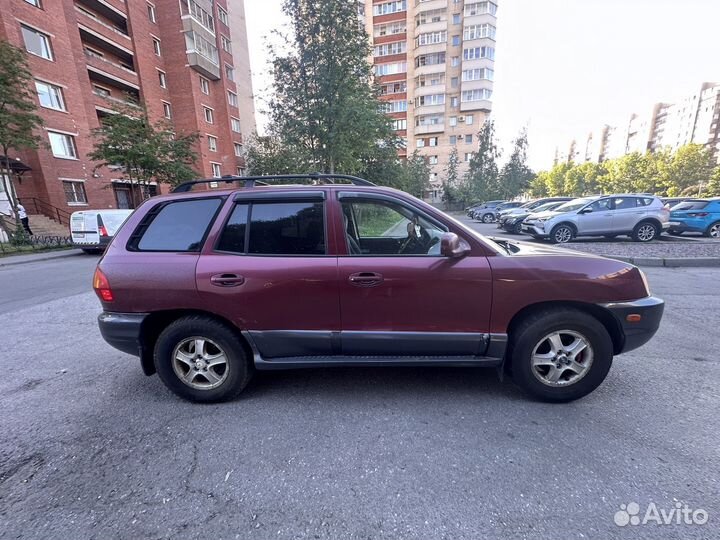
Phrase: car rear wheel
(713, 231)
(488, 218)
(562, 234)
(645, 232)
(560, 355)
(202, 360)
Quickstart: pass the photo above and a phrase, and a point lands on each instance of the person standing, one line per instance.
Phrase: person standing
(22, 214)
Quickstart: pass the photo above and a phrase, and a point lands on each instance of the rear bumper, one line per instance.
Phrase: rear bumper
(637, 334)
(684, 226)
(122, 330)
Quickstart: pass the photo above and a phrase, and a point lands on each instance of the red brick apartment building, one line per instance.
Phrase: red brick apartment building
(86, 56)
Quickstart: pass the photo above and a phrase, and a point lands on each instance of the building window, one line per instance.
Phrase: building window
(453, 121)
(430, 59)
(390, 29)
(223, 16)
(36, 42)
(455, 61)
(478, 31)
(212, 143)
(431, 38)
(454, 82)
(204, 86)
(432, 99)
(456, 41)
(469, 120)
(208, 113)
(192, 8)
(399, 125)
(238, 149)
(167, 110)
(456, 18)
(480, 8)
(394, 106)
(216, 170)
(467, 156)
(162, 79)
(430, 16)
(479, 52)
(390, 7)
(101, 91)
(240, 171)
(235, 124)
(229, 72)
(393, 88)
(468, 139)
(478, 74)
(225, 42)
(453, 140)
(232, 98)
(62, 145)
(433, 160)
(480, 94)
(198, 44)
(420, 143)
(156, 46)
(50, 96)
(151, 13)
(74, 192)
(387, 49)
(390, 69)
(35, 3)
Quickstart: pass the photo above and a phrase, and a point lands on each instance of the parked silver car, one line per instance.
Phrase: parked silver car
(642, 217)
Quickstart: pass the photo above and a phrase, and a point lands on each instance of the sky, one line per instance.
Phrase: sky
(566, 67)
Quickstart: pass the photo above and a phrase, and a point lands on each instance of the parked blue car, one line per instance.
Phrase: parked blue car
(697, 215)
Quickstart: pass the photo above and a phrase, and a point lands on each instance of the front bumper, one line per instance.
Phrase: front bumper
(636, 334)
(122, 331)
(533, 228)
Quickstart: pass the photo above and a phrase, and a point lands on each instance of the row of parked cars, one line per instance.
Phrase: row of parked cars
(641, 216)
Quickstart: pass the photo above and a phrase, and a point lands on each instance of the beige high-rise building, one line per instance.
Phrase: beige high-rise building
(434, 60)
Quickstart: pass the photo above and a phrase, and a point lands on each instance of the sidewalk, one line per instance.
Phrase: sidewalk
(10, 260)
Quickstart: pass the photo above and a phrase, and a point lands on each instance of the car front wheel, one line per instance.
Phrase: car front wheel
(202, 360)
(713, 231)
(645, 232)
(560, 355)
(488, 218)
(562, 234)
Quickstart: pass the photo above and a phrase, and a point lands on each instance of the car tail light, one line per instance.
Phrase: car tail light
(102, 286)
(698, 214)
(101, 226)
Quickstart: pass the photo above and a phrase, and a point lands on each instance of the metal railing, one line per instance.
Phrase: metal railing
(47, 209)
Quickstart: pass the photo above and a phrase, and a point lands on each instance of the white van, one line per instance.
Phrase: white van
(92, 230)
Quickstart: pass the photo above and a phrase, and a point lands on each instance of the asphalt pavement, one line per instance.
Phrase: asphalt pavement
(91, 448)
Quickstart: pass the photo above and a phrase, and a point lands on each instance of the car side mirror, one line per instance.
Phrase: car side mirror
(585, 211)
(451, 246)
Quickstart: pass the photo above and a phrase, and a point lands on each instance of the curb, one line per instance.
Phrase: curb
(670, 262)
(38, 257)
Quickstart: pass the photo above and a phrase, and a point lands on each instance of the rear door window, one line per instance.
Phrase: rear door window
(177, 226)
(624, 203)
(287, 228)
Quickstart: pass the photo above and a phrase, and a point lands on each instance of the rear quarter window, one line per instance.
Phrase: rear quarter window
(175, 226)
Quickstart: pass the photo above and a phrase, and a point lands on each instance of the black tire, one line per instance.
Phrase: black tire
(562, 234)
(645, 231)
(517, 229)
(530, 333)
(713, 231)
(239, 367)
(488, 217)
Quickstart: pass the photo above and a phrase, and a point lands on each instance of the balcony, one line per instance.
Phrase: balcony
(429, 128)
(430, 109)
(431, 48)
(483, 105)
(99, 27)
(429, 5)
(431, 27)
(429, 89)
(483, 18)
(107, 70)
(113, 11)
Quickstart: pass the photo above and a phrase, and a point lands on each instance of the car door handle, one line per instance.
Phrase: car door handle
(365, 279)
(227, 280)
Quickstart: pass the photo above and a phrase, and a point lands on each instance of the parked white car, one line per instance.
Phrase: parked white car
(92, 230)
(642, 217)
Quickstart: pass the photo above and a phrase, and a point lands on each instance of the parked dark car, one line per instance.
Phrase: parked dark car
(509, 205)
(671, 202)
(532, 205)
(207, 286)
(697, 215)
(486, 211)
(512, 223)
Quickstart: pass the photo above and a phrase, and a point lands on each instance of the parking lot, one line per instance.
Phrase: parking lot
(91, 448)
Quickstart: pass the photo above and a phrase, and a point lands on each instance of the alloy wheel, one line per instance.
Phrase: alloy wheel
(646, 232)
(563, 235)
(715, 230)
(200, 363)
(562, 358)
(487, 218)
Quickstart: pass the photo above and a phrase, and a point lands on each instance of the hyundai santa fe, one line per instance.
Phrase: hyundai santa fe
(207, 286)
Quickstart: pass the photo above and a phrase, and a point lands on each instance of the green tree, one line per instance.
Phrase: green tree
(415, 175)
(144, 150)
(325, 107)
(450, 183)
(539, 185)
(268, 155)
(713, 187)
(18, 121)
(688, 170)
(515, 176)
(481, 179)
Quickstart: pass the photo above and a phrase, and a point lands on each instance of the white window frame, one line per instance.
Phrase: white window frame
(212, 143)
(233, 121)
(223, 16)
(204, 85)
(167, 110)
(162, 78)
(46, 40)
(230, 72)
(72, 146)
(156, 46)
(74, 182)
(152, 13)
(236, 145)
(232, 98)
(226, 44)
(207, 110)
(216, 169)
(59, 95)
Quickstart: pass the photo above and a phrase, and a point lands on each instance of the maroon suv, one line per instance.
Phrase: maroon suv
(207, 286)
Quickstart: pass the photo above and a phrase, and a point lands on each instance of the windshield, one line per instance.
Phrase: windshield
(575, 204)
(547, 206)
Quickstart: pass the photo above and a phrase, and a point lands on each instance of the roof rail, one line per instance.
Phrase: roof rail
(252, 181)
